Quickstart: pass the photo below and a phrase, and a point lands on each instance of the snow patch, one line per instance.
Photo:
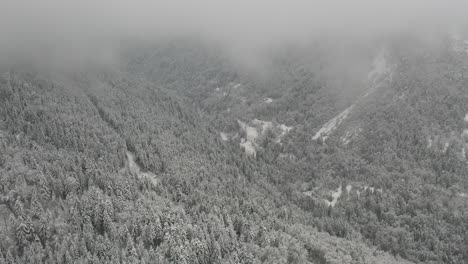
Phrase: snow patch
(260, 128)
(349, 187)
(134, 168)
(331, 125)
(289, 156)
(381, 73)
(224, 136)
(429, 142)
(237, 86)
(335, 195)
(265, 125)
(446, 146)
(346, 139)
(248, 147)
(466, 117)
(251, 132)
(284, 131)
(268, 100)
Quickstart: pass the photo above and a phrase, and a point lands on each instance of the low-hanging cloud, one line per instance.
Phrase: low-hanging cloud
(32, 28)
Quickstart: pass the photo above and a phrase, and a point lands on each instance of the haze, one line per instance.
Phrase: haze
(34, 28)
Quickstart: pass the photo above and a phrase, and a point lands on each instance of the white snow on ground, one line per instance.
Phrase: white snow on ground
(463, 153)
(349, 187)
(217, 89)
(287, 156)
(248, 144)
(259, 128)
(346, 139)
(429, 142)
(446, 146)
(284, 131)
(380, 73)
(264, 124)
(331, 125)
(135, 168)
(237, 86)
(466, 117)
(335, 195)
(224, 136)
(268, 100)
(248, 147)
(251, 132)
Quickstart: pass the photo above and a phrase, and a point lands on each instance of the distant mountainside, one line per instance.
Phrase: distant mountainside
(182, 156)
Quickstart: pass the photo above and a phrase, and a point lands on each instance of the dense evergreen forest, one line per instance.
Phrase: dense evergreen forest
(179, 155)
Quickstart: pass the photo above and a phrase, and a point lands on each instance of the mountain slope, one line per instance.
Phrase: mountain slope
(108, 168)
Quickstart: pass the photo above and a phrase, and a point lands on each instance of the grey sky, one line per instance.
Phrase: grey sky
(83, 23)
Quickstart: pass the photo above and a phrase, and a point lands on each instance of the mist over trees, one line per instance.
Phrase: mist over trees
(233, 132)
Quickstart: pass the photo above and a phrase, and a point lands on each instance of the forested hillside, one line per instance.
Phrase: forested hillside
(178, 156)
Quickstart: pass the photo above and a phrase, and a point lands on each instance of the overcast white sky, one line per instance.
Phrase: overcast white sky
(67, 23)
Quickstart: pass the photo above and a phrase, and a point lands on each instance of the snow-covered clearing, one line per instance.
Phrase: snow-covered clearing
(380, 73)
(429, 142)
(331, 125)
(335, 195)
(251, 132)
(135, 169)
(224, 136)
(248, 147)
(258, 129)
(265, 125)
(446, 146)
(346, 139)
(268, 100)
